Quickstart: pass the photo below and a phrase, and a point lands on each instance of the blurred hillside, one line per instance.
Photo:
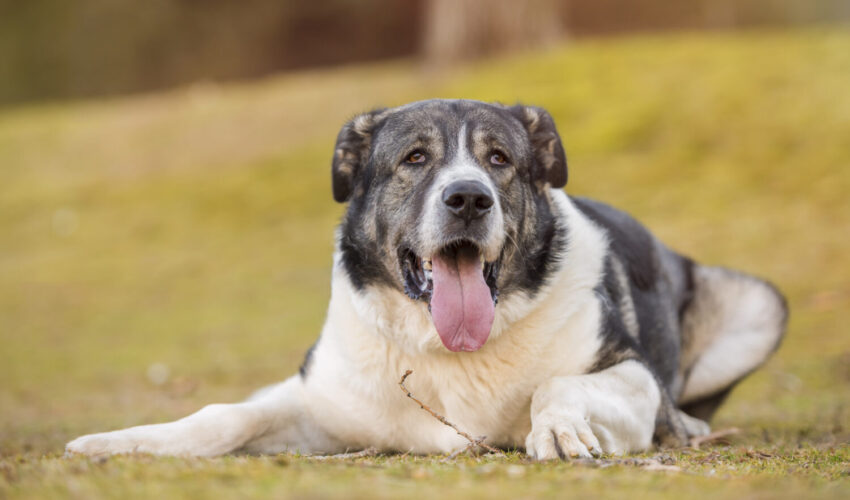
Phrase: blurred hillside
(55, 49)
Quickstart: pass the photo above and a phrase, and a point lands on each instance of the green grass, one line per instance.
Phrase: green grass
(193, 228)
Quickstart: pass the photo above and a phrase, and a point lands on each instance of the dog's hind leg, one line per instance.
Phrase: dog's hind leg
(733, 323)
(278, 413)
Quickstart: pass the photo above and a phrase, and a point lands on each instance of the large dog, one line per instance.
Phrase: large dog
(545, 322)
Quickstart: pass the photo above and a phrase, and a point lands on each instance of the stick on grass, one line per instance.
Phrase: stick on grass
(473, 442)
(716, 436)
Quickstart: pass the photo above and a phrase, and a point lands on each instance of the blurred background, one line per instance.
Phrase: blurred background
(54, 49)
(165, 211)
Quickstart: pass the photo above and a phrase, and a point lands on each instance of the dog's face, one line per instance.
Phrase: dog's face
(448, 204)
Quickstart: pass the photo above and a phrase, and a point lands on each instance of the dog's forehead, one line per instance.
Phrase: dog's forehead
(443, 120)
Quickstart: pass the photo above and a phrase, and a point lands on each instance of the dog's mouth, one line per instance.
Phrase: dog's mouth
(460, 289)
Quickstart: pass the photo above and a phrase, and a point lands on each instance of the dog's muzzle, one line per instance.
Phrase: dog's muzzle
(456, 280)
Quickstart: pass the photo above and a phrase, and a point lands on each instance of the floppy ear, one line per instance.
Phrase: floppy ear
(550, 162)
(351, 153)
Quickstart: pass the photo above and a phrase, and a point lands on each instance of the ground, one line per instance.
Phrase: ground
(161, 252)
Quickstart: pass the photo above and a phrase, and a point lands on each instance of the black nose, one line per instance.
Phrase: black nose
(468, 199)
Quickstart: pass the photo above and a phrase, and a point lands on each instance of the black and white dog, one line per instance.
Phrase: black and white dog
(545, 322)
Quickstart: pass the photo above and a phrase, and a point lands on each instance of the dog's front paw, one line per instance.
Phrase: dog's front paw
(107, 443)
(561, 435)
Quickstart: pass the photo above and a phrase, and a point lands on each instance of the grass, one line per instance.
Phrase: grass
(190, 231)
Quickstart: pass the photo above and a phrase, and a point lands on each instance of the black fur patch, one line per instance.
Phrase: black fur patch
(659, 331)
(361, 257)
(688, 293)
(539, 246)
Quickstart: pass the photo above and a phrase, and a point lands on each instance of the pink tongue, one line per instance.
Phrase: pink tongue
(461, 305)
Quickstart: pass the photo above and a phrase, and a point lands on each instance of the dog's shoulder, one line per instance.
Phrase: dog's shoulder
(629, 240)
(646, 286)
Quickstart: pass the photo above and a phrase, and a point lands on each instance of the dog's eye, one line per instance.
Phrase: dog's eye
(498, 158)
(415, 157)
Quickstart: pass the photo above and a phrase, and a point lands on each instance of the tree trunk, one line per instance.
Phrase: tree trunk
(465, 29)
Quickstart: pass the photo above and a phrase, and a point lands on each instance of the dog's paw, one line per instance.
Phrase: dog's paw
(694, 427)
(107, 443)
(561, 435)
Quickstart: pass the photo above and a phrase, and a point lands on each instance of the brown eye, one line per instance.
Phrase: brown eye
(497, 158)
(415, 157)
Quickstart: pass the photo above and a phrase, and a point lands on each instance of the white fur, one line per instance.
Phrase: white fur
(528, 380)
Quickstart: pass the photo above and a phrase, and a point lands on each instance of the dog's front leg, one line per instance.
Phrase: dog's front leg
(221, 428)
(611, 411)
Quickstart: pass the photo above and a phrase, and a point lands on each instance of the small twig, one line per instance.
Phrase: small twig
(473, 442)
(368, 452)
(696, 441)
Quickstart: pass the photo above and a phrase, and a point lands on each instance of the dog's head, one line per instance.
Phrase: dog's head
(449, 204)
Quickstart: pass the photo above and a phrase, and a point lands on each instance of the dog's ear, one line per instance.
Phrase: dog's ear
(351, 153)
(550, 161)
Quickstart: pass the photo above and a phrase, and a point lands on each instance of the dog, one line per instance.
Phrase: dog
(551, 324)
